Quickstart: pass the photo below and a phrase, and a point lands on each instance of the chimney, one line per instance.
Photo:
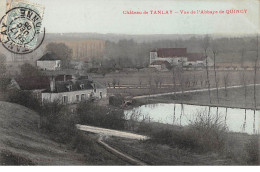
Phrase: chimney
(52, 84)
(74, 79)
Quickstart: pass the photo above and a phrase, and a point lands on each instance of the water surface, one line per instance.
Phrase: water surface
(237, 120)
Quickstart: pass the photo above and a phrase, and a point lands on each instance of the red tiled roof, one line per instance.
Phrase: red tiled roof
(196, 57)
(61, 77)
(171, 52)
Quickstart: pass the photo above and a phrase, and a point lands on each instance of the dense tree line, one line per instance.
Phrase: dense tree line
(128, 53)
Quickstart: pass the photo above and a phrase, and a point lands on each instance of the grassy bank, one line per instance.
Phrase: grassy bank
(233, 97)
(23, 143)
(237, 150)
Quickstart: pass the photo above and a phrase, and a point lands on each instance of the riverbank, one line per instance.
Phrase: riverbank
(162, 154)
(232, 98)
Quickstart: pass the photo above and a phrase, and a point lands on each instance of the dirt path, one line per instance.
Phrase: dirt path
(108, 132)
(121, 155)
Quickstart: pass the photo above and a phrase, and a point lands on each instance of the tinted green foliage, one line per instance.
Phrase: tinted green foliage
(24, 98)
(92, 114)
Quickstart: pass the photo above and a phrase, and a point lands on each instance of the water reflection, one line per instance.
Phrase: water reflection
(237, 120)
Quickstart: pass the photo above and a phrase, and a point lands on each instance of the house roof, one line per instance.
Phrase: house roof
(61, 77)
(33, 83)
(49, 57)
(63, 86)
(170, 52)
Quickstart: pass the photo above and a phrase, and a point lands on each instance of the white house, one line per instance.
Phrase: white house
(161, 65)
(49, 62)
(174, 56)
(179, 56)
(74, 91)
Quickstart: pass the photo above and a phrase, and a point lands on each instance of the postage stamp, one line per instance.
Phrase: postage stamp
(21, 27)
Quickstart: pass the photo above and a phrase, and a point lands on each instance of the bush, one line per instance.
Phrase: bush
(24, 98)
(58, 121)
(95, 115)
(9, 158)
(205, 134)
(82, 143)
(252, 149)
(116, 100)
(4, 82)
(210, 132)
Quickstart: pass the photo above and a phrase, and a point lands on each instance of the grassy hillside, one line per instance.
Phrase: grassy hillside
(21, 142)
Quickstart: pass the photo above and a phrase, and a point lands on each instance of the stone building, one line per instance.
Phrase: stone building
(49, 62)
(74, 91)
(179, 56)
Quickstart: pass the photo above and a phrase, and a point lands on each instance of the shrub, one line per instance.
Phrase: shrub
(82, 143)
(252, 149)
(9, 158)
(209, 131)
(24, 98)
(116, 100)
(93, 114)
(58, 121)
(203, 135)
(4, 82)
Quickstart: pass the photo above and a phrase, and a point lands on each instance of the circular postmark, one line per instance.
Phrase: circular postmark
(20, 29)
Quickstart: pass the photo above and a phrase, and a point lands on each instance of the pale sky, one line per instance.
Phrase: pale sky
(106, 16)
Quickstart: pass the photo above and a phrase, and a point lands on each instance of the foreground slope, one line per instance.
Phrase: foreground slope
(21, 143)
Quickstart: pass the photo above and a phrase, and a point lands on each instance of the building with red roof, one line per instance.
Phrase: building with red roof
(178, 56)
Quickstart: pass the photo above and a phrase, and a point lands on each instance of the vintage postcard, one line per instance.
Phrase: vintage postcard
(129, 82)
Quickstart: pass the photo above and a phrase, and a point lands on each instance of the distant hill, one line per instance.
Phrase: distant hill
(137, 38)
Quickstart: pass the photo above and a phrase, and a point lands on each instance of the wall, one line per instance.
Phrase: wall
(72, 95)
(172, 60)
(153, 56)
(49, 65)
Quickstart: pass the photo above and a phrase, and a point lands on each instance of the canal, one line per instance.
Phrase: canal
(236, 120)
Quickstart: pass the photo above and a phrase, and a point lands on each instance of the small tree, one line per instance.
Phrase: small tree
(205, 46)
(180, 77)
(215, 53)
(140, 82)
(226, 81)
(114, 82)
(242, 51)
(62, 51)
(28, 70)
(157, 80)
(93, 114)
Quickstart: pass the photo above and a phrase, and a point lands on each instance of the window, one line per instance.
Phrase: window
(69, 87)
(77, 98)
(65, 99)
(82, 86)
(95, 90)
(83, 97)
